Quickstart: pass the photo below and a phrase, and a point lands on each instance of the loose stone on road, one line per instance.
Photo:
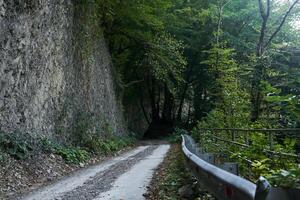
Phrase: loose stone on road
(123, 177)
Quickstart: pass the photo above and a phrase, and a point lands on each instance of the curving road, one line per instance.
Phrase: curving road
(121, 178)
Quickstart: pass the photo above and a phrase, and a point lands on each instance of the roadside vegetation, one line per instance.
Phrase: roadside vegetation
(213, 64)
(99, 146)
(254, 161)
(185, 61)
(82, 147)
(27, 161)
(172, 181)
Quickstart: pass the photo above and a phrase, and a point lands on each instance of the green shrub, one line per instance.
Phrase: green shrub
(286, 178)
(16, 144)
(20, 145)
(108, 145)
(176, 136)
(95, 145)
(98, 137)
(263, 164)
(83, 127)
(49, 146)
(70, 154)
(73, 154)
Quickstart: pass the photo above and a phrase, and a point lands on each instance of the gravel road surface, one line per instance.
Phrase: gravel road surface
(121, 178)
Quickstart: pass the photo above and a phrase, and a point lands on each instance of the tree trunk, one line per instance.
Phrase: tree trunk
(256, 95)
(152, 93)
(263, 43)
(168, 105)
(182, 98)
(143, 108)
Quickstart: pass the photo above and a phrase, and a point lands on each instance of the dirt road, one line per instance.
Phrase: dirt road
(124, 177)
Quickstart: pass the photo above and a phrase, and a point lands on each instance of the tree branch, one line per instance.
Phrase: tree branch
(265, 13)
(261, 9)
(282, 22)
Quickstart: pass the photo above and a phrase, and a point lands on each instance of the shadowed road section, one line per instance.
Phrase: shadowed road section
(122, 177)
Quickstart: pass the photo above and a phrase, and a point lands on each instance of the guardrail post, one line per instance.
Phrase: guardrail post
(198, 151)
(230, 167)
(262, 189)
(222, 184)
(208, 157)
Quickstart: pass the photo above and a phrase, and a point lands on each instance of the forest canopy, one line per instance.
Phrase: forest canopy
(228, 63)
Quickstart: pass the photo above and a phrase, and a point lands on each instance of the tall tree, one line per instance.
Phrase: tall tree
(264, 41)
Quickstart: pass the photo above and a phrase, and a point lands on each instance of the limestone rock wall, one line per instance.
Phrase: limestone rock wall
(54, 65)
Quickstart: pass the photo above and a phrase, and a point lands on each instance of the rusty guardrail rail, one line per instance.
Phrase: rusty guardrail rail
(223, 183)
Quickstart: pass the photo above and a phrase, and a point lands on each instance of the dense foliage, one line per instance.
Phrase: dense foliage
(187, 59)
(209, 64)
(257, 158)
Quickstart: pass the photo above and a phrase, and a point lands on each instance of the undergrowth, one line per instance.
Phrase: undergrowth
(96, 145)
(70, 154)
(16, 145)
(90, 137)
(280, 170)
(176, 136)
(176, 177)
(99, 138)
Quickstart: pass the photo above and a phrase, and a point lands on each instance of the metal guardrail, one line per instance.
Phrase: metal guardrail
(225, 185)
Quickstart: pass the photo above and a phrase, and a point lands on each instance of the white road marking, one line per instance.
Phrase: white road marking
(132, 184)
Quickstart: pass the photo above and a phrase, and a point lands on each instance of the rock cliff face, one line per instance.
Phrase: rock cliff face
(54, 66)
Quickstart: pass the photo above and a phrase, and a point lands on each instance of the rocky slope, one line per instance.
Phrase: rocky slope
(55, 65)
